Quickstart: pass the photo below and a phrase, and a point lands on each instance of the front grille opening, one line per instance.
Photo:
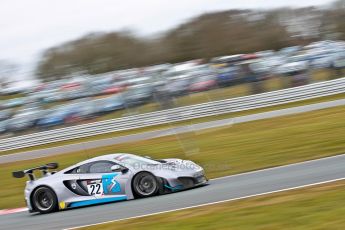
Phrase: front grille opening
(187, 182)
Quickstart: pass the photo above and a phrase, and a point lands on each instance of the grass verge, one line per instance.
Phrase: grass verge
(319, 207)
(193, 121)
(222, 151)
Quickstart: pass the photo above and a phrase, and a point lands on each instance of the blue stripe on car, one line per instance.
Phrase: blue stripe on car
(96, 201)
(177, 187)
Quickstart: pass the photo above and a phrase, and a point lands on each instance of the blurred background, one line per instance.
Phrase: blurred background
(209, 51)
(78, 64)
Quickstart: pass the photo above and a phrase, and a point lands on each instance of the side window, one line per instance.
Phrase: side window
(93, 167)
(83, 169)
(101, 167)
(79, 170)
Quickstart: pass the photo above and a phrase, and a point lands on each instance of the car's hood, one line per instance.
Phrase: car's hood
(174, 166)
(181, 165)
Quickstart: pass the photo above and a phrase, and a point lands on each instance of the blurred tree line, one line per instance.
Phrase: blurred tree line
(206, 36)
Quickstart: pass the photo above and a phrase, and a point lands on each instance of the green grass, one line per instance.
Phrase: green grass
(222, 151)
(319, 207)
(193, 121)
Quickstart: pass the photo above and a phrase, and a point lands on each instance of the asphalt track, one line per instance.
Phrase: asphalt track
(221, 189)
(165, 132)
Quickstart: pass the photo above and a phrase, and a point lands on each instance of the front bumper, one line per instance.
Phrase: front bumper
(184, 182)
(190, 182)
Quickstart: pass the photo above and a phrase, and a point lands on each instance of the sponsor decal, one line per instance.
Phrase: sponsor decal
(110, 185)
(62, 205)
(74, 185)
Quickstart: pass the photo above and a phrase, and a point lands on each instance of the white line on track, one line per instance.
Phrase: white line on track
(211, 203)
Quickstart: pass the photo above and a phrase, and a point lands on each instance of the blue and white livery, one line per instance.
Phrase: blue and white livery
(107, 178)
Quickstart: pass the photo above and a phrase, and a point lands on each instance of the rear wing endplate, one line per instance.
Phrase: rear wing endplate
(30, 172)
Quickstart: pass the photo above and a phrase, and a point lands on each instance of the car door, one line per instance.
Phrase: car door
(101, 182)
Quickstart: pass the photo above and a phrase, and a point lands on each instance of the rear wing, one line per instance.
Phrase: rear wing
(30, 172)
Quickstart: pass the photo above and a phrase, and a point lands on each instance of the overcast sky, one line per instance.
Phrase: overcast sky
(28, 27)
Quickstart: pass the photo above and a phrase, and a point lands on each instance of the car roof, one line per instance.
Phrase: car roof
(103, 157)
(109, 157)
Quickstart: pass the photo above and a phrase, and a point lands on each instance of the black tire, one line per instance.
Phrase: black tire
(44, 200)
(145, 185)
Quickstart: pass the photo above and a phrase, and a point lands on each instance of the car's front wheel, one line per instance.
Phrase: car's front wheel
(145, 184)
(44, 200)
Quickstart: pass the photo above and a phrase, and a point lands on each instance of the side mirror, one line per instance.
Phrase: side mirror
(118, 168)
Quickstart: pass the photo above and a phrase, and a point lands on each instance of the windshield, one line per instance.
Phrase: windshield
(203, 79)
(61, 110)
(135, 161)
(110, 100)
(298, 58)
(139, 91)
(227, 69)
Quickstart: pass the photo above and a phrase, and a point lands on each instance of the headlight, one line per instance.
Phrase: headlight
(198, 174)
(192, 165)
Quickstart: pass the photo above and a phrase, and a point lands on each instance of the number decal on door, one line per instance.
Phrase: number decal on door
(95, 188)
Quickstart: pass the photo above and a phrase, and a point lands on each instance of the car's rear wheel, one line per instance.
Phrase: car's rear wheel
(44, 200)
(145, 184)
